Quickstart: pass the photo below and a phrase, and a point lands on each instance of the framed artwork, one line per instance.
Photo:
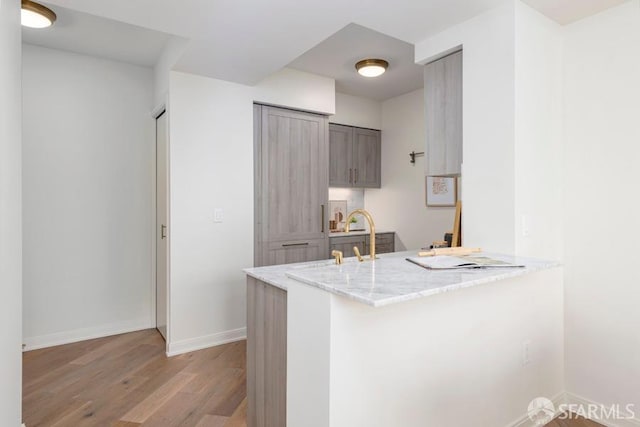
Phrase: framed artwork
(337, 214)
(441, 191)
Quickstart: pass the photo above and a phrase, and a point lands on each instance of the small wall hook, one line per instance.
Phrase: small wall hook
(413, 156)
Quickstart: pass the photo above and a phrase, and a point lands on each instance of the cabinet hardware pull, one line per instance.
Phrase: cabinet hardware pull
(322, 217)
(284, 245)
(163, 229)
(350, 175)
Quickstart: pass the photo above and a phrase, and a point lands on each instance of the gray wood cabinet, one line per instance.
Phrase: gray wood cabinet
(354, 157)
(291, 185)
(340, 150)
(346, 244)
(385, 243)
(266, 355)
(443, 110)
(295, 251)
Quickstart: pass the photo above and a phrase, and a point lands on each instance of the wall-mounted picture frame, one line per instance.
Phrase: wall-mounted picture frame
(441, 191)
(337, 214)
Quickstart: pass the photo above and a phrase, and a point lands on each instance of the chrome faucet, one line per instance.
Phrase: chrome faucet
(372, 228)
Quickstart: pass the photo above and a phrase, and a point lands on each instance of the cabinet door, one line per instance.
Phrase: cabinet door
(385, 243)
(296, 251)
(346, 244)
(366, 158)
(294, 184)
(443, 109)
(340, 150)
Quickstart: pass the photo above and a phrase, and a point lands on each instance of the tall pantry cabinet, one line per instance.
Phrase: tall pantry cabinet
(291, 155)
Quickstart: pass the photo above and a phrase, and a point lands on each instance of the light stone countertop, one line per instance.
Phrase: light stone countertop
(391, 278)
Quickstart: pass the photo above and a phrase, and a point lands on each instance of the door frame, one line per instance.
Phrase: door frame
(156, 113)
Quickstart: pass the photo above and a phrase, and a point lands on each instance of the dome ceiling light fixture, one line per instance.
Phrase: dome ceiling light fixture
(35, 15)
(372, 67)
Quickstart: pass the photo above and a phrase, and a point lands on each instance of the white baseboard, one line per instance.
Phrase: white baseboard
(193, 344)
(67, 337)
(525, 421)
(574, 399)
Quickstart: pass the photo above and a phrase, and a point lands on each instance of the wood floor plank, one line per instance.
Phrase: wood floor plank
(573, 421)
(48, 417)
(239, 416)
(147, 407)
(127, 380)
(182, 410)
(232, 396)
(113, 348)
(67, 419)
(213, 421)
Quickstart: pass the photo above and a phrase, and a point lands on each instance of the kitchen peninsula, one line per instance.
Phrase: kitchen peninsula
(389, 343)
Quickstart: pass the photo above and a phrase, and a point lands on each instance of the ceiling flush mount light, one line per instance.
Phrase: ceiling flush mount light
(372, 67)
(35, 15)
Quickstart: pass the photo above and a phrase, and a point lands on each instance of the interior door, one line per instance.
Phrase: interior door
(162, 221)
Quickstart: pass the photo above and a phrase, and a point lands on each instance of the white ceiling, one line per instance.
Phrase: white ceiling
(245, 41)
(568, 11)
(336, 57)
(96, 36)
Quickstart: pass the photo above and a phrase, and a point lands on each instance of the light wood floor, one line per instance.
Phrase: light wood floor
(575, 422)
(127, 381)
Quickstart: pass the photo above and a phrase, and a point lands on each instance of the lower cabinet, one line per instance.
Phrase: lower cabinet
(385, 243)
(295, 251)
(346, 244)
(266, 355)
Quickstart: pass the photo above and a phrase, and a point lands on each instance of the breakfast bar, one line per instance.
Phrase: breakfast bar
(390, 343)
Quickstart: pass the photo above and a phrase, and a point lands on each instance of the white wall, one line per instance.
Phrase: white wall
(488, 42)
(171, 53)
(10, 217)
(538, 135)
(357, 111)
(601, 112)
(400, 204)
(512, 128)
(211, 155)
(88, 177)
(299, 90)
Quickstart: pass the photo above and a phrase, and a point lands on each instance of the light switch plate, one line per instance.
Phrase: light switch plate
(218, 215)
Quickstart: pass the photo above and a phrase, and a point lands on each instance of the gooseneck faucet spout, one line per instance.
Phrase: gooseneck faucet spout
(372, 228)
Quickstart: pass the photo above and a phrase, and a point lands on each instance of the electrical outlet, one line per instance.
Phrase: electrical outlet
(218, 215)
(526, 352)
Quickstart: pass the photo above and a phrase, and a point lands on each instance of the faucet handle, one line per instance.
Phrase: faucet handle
(338, 255)
(357, 252)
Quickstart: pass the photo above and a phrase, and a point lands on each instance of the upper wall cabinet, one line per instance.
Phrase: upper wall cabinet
(354, 157)
(443, 108)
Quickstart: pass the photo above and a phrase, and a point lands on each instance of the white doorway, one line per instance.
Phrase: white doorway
(162, 221)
